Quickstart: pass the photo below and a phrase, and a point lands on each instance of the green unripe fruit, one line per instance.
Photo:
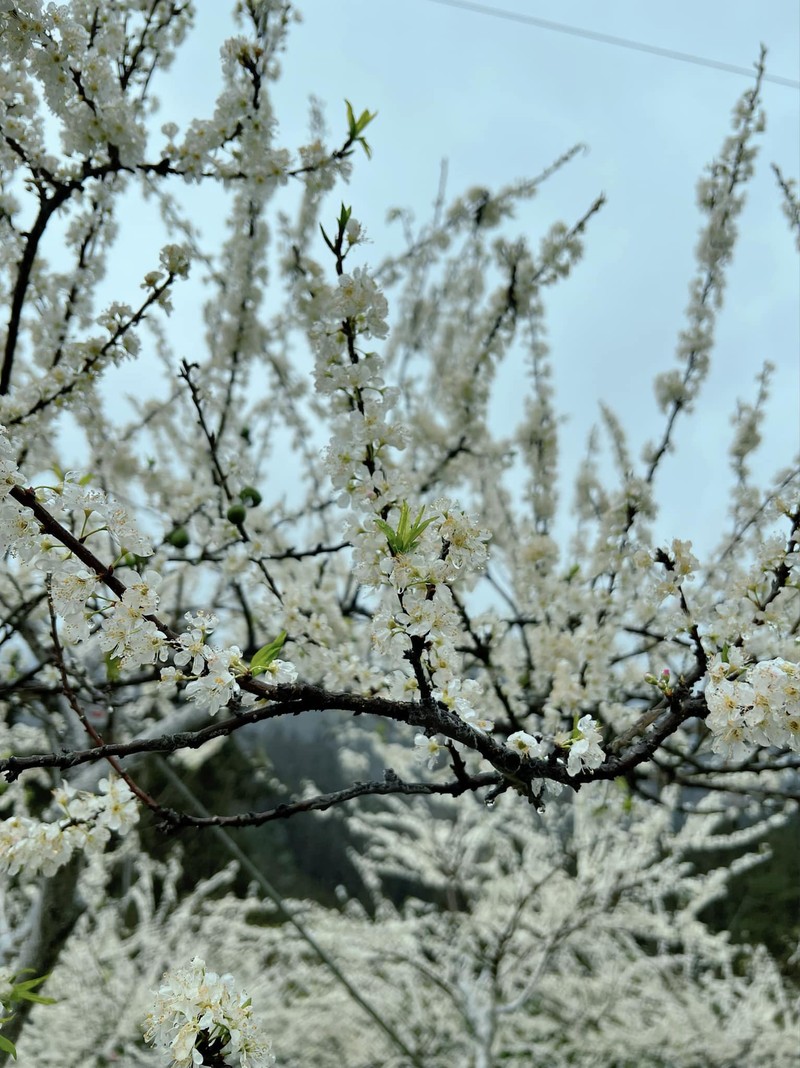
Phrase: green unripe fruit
(251, 496)
(236, 514)
(179, 537)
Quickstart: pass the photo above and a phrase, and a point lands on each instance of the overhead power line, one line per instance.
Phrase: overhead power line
(620, 42)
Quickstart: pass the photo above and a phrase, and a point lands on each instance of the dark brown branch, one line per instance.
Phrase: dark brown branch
(285, 700)
(47, 209)
(391, 784)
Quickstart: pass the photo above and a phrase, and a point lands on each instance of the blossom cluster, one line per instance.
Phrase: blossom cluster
(83, 509)
(198, 1013)
(212, 670)
(419, 572)
(126, 633)
(9, 473)
(88, 820)
(128, 630)
(55, 48)
(760, 707)
(413, 563)
(357, 458)
(417, 561)
(582, 745)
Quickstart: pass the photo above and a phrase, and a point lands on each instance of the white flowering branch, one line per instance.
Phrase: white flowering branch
(408, 575)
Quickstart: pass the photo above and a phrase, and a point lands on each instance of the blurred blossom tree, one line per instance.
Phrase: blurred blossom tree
(185, 580)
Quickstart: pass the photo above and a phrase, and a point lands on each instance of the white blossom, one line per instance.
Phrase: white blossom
(527, 746)
(193, 1005)
(585, 750)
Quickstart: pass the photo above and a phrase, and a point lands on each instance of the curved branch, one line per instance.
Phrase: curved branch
(390, 784)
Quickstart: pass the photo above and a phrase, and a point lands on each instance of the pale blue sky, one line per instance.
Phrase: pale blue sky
(500, 100)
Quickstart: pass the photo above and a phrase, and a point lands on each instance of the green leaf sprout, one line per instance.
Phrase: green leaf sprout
(407, 535)
(356, 126)
(266, 654)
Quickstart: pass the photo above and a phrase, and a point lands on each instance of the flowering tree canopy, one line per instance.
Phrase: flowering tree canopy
(171, 579)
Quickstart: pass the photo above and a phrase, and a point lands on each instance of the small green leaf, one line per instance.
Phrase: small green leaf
(387, 530)
(266, 654)
(326, 239)
(364, 120)
(356, 126)
(24, 992)
(8, 1047)
(37, 999)
(407, 535)
(112, 667)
